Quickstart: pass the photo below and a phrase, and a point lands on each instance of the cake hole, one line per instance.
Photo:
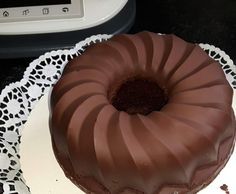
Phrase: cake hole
(138, 96)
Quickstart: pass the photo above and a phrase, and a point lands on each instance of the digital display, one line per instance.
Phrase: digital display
(24, 3)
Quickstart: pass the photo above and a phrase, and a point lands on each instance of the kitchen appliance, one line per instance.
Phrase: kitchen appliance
(30, 28)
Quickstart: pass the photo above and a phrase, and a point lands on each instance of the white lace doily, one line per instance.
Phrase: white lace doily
(19, 98)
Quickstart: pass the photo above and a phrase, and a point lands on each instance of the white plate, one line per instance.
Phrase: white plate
(44, 176)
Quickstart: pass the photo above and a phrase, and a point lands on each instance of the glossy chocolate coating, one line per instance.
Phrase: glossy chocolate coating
(179, 148)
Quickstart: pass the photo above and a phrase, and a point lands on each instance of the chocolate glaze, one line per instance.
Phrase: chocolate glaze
(179, 148)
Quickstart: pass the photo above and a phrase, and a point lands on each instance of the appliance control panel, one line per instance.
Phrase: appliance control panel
(26, 10)
(18, 17)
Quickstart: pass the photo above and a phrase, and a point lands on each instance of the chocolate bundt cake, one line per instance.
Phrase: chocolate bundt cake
(143, 113)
